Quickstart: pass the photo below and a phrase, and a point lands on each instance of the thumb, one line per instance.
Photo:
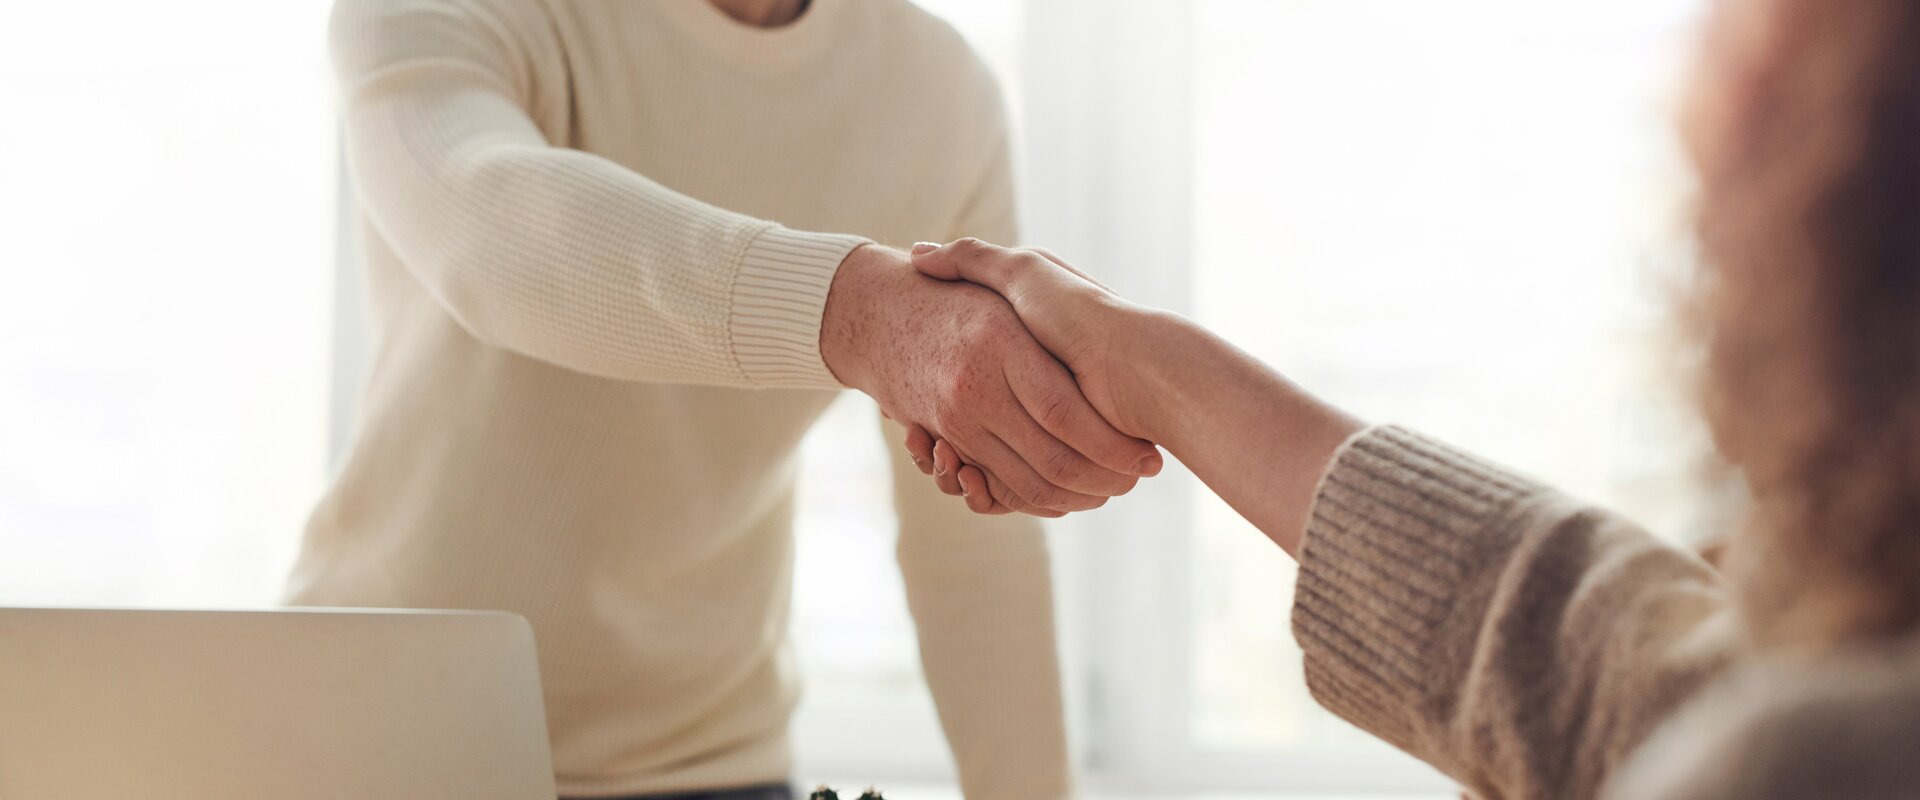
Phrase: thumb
(936, 261)
(965, 260)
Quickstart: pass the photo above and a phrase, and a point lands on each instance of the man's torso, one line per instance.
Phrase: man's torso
(644, 529)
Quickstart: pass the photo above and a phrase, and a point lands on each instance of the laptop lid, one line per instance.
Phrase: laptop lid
(296, 705)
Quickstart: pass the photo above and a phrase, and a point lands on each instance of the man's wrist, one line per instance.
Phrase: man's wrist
(847, 323)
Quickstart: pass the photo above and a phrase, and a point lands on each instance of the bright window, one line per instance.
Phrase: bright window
(1466, 217)
(166, 237)
(1458, 216)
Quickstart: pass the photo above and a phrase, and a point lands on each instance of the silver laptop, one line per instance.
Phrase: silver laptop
(211, 705)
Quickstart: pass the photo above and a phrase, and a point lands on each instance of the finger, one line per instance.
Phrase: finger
(937, 260)
(966, 260)
(1005, 498)
(1052, 399)
(946, 468)
(973, 484)
(953, 461)
(986, 494)
(967, 480)
(920, 448)
(1057, 463)
(977, 486)
(988, 451)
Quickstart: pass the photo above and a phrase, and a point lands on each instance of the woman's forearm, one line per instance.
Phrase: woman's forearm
(1252, 436)
(1255, 438)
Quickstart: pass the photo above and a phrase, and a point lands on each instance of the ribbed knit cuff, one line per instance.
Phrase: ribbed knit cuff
(778, 298)
(1403, 531)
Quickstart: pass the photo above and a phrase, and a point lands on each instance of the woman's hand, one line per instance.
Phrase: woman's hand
(1073, 316)
(1254, 437)
(1083, 323)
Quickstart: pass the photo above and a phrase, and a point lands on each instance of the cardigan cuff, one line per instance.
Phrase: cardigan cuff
(1401, 525)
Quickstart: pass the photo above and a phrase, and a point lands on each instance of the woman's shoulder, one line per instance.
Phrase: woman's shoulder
(1845, 725)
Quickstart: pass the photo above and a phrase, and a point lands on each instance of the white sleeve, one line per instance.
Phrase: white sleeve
(550, 252)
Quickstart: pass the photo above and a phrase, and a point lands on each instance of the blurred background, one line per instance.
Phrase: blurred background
(1462, 216)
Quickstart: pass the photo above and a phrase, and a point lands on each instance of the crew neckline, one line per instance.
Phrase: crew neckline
(786, 46)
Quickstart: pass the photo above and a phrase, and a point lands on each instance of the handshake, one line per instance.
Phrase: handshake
(1010, 368)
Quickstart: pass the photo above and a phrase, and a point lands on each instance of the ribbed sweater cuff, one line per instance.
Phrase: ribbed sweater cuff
(1403, 530)
(778, 297)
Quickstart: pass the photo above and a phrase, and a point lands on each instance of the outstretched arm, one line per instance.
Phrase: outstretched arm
(570, 258)
(1520, 641)
(555, 253)
(1255, 438)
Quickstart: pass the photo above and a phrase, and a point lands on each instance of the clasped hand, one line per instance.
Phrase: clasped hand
(1015, 430)
(998, 361)
(1073, 316)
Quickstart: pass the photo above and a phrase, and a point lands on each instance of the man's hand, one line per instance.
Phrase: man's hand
(1077, 319)
(954, 359)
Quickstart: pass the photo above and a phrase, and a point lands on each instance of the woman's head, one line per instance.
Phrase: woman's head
(1805, 127)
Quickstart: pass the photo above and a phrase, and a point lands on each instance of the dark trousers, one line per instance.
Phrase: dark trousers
(777, 791)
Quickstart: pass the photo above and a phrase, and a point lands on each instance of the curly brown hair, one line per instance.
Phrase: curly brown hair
(1807, 137)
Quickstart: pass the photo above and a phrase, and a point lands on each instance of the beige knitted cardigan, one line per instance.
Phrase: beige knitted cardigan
(1530, 646)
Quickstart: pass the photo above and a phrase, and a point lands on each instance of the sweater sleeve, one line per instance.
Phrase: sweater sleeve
(550, 252)
(1520, 642)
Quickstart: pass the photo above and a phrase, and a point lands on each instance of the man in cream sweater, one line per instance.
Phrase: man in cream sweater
(603, 327)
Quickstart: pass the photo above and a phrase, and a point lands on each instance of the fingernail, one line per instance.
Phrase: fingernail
(923, 248)
(939, 468)
(1149, 465)
(965, 491)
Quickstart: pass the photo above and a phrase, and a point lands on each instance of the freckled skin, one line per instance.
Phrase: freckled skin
(956, 359)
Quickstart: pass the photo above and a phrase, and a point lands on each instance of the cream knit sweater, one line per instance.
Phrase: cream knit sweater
(597, 353)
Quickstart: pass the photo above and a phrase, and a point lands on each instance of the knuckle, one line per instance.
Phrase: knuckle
(1055, 411)
(1061, 467)
(958, 382)
(1047, 496)
(948, 388)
